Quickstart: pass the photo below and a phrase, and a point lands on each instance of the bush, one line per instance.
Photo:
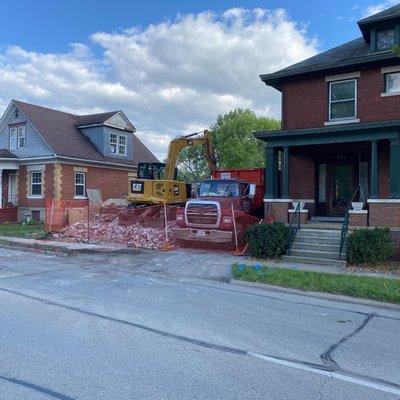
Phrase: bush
(370, 246)
(267, 240)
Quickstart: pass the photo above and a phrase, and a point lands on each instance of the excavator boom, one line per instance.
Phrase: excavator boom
(181, 142)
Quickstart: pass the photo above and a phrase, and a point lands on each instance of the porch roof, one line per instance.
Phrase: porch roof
(343, 133)
(6, 154)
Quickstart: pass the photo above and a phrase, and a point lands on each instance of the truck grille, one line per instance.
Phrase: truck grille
(202, 214)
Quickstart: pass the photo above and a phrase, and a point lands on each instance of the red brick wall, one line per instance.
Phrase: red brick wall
(111, 182)
(306, 101)
(301, 177)
(384, 214)
(23, 200)
(277, 210)
(358, 219)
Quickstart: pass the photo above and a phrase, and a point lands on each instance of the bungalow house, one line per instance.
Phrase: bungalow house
(49, 154)
(340, 137)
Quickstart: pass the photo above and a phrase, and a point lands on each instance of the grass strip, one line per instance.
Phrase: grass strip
(381, 289)
(21, 230)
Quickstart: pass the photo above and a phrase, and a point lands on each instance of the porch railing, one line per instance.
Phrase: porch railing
(343, 234)
(294, 227)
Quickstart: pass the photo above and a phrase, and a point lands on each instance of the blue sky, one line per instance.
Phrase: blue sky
(171, 66)
(50, 25)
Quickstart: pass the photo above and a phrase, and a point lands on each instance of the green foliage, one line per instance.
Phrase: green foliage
(233, 139)
(366, 246)
(349, 285)
(29, 222)
(192, 166)
(267, 241)
(234, 144)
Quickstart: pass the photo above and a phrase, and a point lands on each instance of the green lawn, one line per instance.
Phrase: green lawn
(350, 285)
(21, 230)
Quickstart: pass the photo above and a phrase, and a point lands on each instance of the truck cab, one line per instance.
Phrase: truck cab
(225, 204)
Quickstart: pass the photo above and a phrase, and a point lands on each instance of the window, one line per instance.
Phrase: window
(21, 136)
(16, 113)
(384, 39)
(113, 143)
(118, 144)
(80, 184)
(122, 145)
(392, 82)
(17, 137)
(36, 183)
(342, 100)
(13, 138)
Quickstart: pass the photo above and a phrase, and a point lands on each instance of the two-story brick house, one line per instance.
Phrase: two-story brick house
(49, 154)
(340, 137)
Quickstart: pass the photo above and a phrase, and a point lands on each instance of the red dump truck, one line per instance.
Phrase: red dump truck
(225, 206)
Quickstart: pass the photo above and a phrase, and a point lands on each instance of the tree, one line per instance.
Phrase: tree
(234, 144)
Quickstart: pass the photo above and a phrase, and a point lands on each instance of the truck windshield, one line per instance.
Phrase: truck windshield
(219, 188)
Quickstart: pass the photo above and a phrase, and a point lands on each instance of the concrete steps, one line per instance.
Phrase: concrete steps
(317, 246)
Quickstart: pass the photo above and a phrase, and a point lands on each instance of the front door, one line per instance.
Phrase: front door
(341, 187)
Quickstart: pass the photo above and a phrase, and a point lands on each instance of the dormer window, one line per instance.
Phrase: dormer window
(118, 144)
(385, 39)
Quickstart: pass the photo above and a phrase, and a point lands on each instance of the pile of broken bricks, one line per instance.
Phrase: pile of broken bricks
(105, 228)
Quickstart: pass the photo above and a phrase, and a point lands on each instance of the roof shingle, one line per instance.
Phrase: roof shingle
(59, 130)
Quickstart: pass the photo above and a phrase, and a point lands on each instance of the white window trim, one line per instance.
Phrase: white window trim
(390, 94)
(76, 196)
(16, 137)
(113, 144)
(388, 70)
(343, 77)
(123, 145)
(386, 93)
(20, 136)
(347, 119)
(117, 144)
(35, 196)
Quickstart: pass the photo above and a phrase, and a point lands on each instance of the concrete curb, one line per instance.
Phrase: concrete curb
(318, 295)
(66, 248)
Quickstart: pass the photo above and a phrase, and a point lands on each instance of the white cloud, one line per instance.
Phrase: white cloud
(378, 7)
(171, 77)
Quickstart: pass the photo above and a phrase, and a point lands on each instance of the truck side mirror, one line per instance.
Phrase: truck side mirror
(252, 190)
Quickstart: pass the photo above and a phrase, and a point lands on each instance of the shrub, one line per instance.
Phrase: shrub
(370, 246)
(267, 240)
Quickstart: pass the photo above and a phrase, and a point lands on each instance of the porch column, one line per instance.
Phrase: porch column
(270, 172)
(285, 166)
(395, 168)
(374, 169)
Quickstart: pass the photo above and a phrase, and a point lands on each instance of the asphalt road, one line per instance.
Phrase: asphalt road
(147, 326)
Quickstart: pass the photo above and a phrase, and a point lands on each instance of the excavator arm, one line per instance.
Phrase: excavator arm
(181, 142)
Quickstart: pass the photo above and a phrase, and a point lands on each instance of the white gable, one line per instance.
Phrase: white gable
(118, 121)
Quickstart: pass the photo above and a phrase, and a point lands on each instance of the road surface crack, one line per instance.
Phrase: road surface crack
(327, 356)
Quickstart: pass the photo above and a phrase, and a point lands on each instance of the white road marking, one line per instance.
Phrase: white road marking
(336, 375)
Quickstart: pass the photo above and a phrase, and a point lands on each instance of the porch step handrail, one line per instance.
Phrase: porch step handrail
(294, 227)
(343, 234)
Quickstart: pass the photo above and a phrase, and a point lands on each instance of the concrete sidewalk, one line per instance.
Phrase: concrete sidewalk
(211, 264)
(65, 247)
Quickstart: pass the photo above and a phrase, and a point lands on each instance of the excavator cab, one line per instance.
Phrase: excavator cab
(153, 171)
(157, 182)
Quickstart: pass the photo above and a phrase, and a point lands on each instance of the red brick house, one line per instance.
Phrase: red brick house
(340, 137)
(49, 154)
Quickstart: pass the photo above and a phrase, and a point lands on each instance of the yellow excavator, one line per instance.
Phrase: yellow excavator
(156, 183)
